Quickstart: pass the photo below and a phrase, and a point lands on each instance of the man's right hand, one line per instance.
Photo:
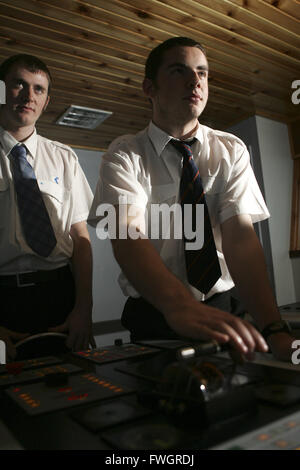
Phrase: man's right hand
(144, 268)
(10, 337)
(199, 321)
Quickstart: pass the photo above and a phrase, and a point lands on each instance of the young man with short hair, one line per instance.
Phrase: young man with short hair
(149, 168)
(45, 275)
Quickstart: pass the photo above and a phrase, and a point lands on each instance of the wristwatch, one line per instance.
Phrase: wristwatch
(276, 327)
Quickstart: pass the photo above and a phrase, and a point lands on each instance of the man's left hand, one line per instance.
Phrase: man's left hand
(79, 327)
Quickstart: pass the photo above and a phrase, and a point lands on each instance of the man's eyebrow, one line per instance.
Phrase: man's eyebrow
(40, 86)
(17, 79)
(180, 64)
(22, 80)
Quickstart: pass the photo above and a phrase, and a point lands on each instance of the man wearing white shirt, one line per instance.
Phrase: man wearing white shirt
(51, 292)
(145, 169)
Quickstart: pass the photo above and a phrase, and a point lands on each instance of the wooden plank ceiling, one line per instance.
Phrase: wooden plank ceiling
(96, 50)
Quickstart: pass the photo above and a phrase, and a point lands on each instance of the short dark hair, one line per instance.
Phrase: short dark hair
(30, 62)
(155, 57)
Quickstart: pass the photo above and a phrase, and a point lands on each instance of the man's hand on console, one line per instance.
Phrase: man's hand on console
(78, 326)
(198, 321)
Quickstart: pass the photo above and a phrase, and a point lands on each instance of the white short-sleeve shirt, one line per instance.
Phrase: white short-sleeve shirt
(66, 193)
(146, 169)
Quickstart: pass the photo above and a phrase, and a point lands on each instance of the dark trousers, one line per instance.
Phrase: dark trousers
(34, 309)
(145, 322)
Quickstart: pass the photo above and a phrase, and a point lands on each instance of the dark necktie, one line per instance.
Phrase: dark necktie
(35, 220)
(203, 269)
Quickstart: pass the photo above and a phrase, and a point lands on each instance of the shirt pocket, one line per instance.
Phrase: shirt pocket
(51, 189)
(53, 195)
(163, 193)
(161, 208)
(214, 188)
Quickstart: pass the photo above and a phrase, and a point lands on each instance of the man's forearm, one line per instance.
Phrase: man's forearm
(245, 259)
(82, 265)
(146, 271)
(187, 317)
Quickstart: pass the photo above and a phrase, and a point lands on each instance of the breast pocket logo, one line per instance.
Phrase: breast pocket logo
(296, 93)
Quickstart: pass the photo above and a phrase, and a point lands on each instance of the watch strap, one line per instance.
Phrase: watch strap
(279, 326)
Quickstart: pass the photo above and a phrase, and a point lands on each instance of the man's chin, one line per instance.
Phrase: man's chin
(193, 114)
(23, 120)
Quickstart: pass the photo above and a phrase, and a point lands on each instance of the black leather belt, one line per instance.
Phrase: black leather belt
(33, 278)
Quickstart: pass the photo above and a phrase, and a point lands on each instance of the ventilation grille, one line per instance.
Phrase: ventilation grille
(86, 118)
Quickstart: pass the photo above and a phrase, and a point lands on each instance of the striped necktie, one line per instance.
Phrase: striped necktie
(36, 224)
(203, 268)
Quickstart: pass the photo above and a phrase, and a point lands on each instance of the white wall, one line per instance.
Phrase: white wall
(277, 167)
(108, 297)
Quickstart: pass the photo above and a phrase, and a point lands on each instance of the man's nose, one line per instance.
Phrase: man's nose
(28, 93)
(194, 79)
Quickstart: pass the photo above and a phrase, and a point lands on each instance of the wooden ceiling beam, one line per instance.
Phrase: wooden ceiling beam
(205, 13)
(96, 52)
(271, 13)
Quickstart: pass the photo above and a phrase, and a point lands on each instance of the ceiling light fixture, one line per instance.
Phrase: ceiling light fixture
(80, 116)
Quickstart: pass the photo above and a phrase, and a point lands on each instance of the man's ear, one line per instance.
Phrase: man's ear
(148, 87)
(47, 102)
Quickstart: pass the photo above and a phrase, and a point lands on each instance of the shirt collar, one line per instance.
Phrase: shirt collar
(8, 142)
(160, 138)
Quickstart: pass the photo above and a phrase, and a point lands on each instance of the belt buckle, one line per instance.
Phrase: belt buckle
(23, 284)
